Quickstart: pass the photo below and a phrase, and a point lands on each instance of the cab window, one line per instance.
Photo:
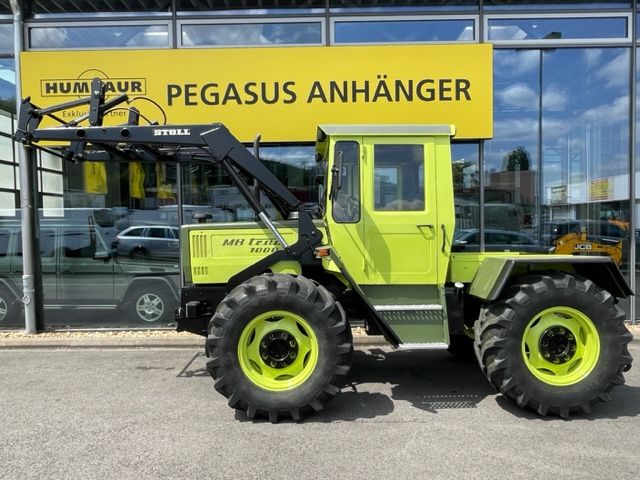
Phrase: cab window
(398, 174)
(346, 198)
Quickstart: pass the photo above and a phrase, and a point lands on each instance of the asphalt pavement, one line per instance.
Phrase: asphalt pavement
(153, 413)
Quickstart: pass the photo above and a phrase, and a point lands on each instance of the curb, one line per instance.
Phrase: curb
(36, 342)
(139, 342)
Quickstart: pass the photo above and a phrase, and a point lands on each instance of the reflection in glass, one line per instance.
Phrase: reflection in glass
(556, 28)
(6, 38)
(585, 141)
(209, 196)
(466, 189)
(120, 36)
(253, 34)
(7, 85)
(510, 159)
(403, 31)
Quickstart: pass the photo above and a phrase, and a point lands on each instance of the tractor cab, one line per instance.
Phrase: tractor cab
(388, 201)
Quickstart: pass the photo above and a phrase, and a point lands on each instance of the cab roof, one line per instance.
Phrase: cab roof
(396, 129)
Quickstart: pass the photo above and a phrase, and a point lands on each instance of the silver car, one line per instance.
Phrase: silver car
(148, 242)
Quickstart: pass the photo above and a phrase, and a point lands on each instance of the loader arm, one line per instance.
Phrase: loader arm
(176, 143)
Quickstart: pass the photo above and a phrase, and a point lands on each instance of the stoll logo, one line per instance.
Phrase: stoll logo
(171, 132)
(81, 87)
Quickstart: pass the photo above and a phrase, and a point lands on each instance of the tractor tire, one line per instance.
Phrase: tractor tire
(555, 343)
(279, 346)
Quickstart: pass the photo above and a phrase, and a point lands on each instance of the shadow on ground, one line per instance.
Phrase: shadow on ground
(194, 367)
(429, 380)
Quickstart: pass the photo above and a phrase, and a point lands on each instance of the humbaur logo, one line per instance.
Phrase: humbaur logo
(171, 132)
(81, 87)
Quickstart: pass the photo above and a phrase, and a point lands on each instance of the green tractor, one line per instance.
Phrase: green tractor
(275, 297)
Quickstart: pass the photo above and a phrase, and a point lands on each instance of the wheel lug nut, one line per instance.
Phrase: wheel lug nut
(561, 331)
(292, 343)
(273, 364)
(546, 354)
(283, 335)
(264, 356)
(292, 355)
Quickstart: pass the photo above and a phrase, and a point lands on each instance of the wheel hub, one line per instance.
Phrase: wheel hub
(278, 349)
(557, 344)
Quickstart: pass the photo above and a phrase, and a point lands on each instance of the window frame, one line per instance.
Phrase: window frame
(391, 18)
(245, 21)
(28, 26)
(559, 41)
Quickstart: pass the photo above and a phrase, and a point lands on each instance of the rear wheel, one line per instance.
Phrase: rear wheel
(279, 346)
(554, 343)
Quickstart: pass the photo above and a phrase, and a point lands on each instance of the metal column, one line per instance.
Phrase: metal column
(31, 272)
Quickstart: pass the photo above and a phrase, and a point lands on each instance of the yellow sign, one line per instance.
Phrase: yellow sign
(601, 189)
(280, 93)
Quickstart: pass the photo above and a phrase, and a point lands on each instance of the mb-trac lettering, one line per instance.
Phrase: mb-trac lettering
(546, 329)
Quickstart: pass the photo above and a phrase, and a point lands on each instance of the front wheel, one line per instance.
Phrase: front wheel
(554, 343)
(279, 346)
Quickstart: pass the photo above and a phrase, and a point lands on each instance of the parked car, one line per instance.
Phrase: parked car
(596, 229)
(468, 240)
(79, 272)
(155, 242)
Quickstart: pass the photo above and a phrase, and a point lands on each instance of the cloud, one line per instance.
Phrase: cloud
(592, 56)
(49, 37)
(554, 129)
(554, 99)
(616, 111)
(615, 73)
(516, 129)
(518, 95)
(512, 63)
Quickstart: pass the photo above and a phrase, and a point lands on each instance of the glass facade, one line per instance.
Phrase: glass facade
(559, 162)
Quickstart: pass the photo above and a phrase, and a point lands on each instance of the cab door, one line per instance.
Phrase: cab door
(400, 221)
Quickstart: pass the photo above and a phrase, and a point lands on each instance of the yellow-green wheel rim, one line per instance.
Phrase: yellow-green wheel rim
(258, 369)
(573, 355)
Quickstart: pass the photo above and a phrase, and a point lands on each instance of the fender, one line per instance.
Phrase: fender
(494, 273)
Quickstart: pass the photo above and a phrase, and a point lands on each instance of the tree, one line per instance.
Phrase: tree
(516, 160)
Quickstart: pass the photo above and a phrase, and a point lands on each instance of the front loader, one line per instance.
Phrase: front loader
(275, 297)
